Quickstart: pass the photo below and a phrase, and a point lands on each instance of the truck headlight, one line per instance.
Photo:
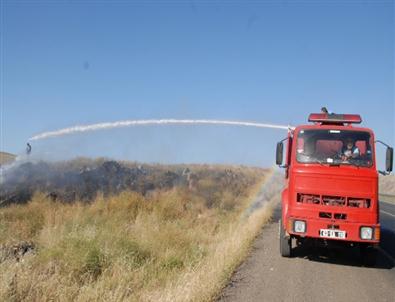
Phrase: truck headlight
(299, 226)
(366, 233)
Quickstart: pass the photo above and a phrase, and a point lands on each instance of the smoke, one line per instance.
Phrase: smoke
(5, 169)
(130, 123)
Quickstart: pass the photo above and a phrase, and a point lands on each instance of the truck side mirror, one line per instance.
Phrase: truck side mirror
(389, 158)
(279, 153)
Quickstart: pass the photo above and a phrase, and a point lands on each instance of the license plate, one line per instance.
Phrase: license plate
(332, 234)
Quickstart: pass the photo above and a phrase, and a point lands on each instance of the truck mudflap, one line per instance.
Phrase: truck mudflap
(334, 230)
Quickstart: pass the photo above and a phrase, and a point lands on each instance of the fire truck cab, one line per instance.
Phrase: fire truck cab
(331, 191)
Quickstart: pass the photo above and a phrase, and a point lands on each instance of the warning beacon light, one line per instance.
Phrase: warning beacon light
(333, 118)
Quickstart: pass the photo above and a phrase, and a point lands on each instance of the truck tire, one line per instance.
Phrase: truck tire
(285, 242)
(368, 255)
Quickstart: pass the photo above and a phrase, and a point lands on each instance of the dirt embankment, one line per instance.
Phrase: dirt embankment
(387, 184)
(6, 158)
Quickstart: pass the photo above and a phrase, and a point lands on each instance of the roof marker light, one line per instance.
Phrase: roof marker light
(335, 118)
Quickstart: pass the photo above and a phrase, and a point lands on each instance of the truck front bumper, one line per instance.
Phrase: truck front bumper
(334, 230)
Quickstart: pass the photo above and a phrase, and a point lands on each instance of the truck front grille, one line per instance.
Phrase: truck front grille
(329, 215)
(334, 200)
(340, 201)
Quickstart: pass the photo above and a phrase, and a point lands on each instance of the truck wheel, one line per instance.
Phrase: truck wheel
(285, 242)
(368, 255)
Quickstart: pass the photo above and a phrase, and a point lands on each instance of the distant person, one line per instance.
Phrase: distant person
(349, 150)
(325, 110)
(28, 148)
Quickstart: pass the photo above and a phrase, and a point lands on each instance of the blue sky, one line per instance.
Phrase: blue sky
(66, 63)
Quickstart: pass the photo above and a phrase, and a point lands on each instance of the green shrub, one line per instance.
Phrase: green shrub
(94, 263)
(134, 255)
(172, 263)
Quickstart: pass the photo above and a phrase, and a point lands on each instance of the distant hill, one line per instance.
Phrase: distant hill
(6, 158)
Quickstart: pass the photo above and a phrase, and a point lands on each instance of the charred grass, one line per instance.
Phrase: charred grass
(173, 244)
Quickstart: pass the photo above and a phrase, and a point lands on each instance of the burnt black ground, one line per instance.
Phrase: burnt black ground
(83, 179)
(71, 181)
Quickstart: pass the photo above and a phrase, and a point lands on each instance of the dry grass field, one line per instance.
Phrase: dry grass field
(172, 244)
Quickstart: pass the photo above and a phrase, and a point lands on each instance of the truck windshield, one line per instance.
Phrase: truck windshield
(334, 147)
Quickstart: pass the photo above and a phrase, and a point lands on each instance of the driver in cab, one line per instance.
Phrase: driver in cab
(349, 150)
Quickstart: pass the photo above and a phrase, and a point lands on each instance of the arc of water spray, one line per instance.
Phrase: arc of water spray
(130, 123)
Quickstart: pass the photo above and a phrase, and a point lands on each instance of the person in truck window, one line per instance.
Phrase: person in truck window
(349, 150)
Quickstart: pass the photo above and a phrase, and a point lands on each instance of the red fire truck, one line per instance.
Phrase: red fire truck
(331, 192)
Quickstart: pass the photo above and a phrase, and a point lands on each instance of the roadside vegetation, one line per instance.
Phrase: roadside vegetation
(169, 244)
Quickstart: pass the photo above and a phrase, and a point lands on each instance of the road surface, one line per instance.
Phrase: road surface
(315, 274)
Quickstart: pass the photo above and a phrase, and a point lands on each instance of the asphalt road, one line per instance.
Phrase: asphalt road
(387, 219)
(315, 274)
